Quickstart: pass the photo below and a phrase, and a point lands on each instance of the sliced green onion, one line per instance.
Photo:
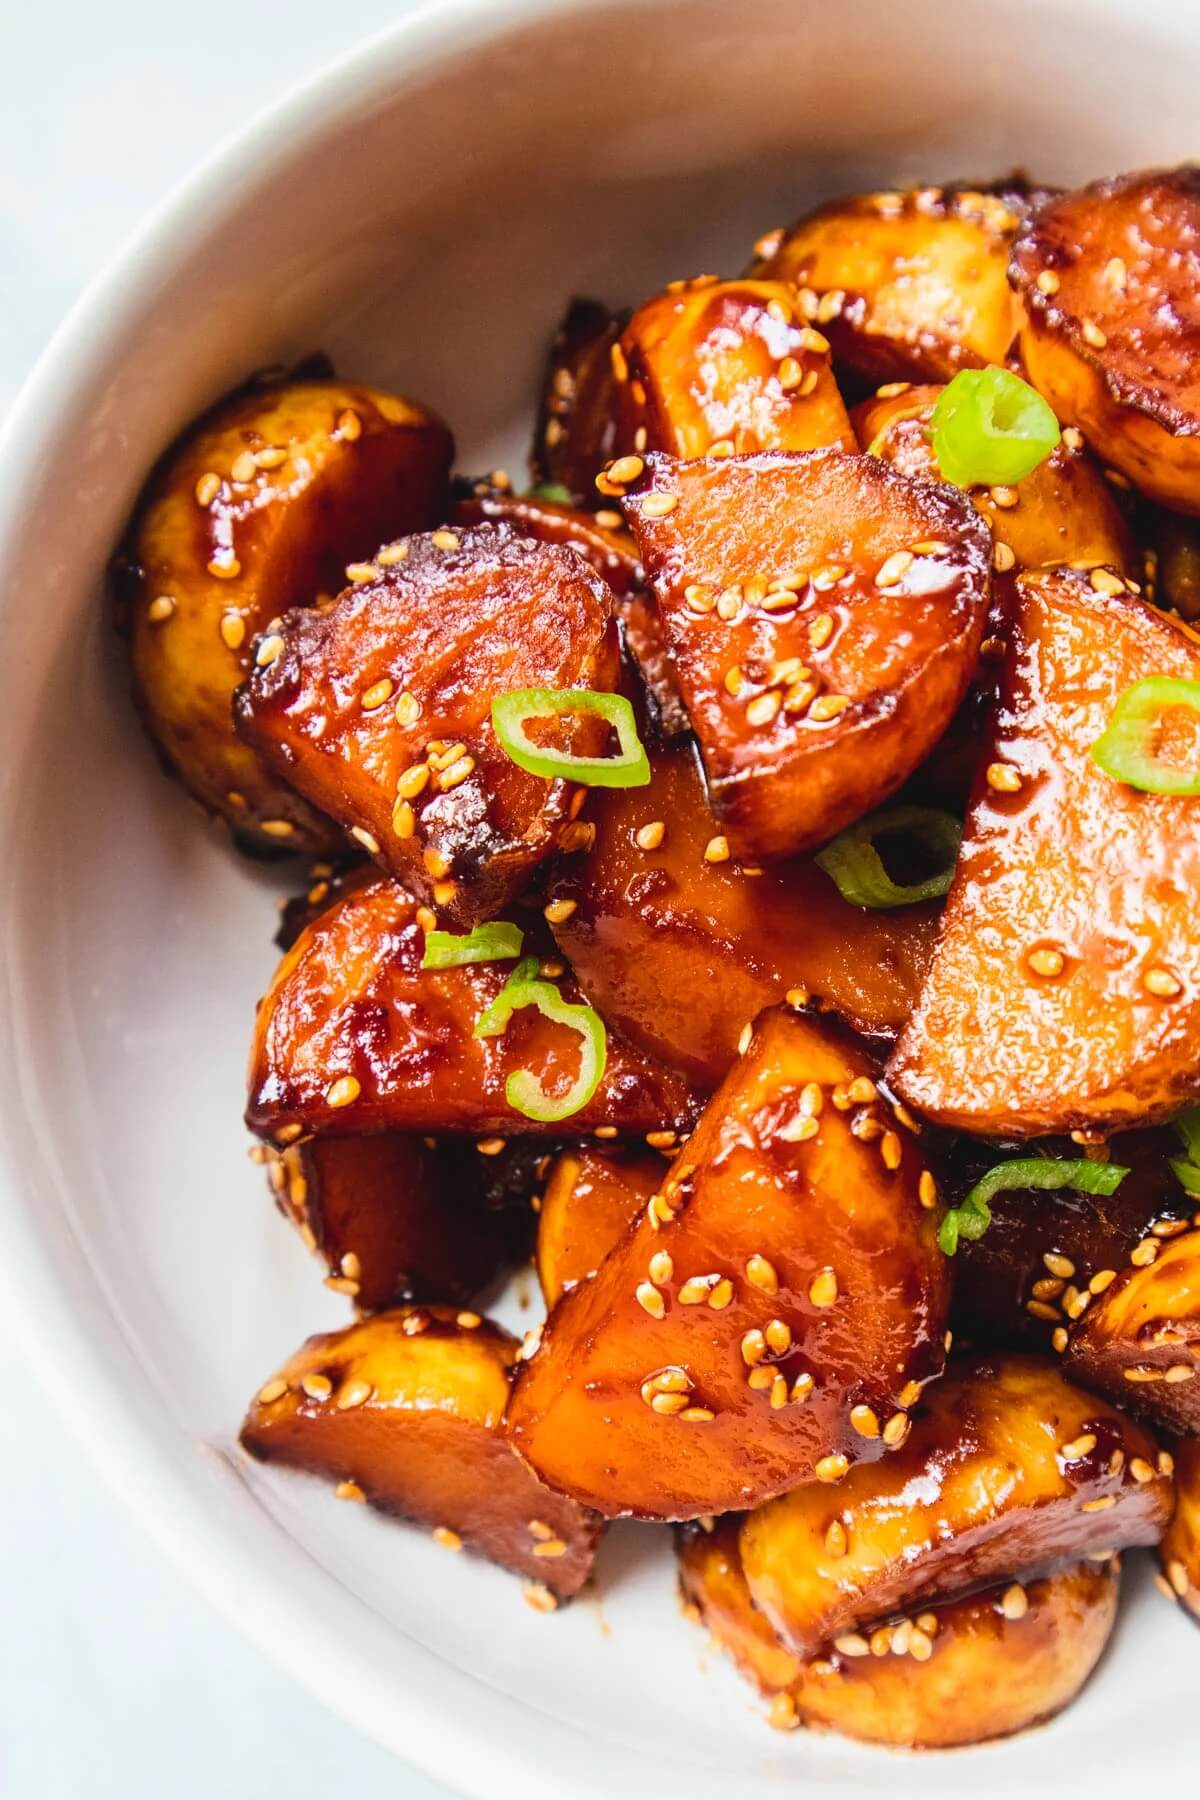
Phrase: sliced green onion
(854, 865)
(1124, 749)
(485, 943)
(512, 712)
(551, 490)
(1186, 1168)
(989, 427)
(523, 1091)
(972, 1216)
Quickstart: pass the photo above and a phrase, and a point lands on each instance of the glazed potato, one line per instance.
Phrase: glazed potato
(824, 614)
(576, 428)
(354, 1035)
(1140, 1341)
(1006, 1467)
(726, 367)
(908, 287)
(403, 1411)
(258, 509)
(1181, 1545)
(963, 1672)
(647, 648)
(770, 1316)
(1109, 277)
(1064, 992)
(379, 709)
(678, 945)
(601, 539)
(593, 1194)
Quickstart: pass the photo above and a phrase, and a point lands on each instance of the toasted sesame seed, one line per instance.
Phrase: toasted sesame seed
(800, 1131)
(1100, 1505)
(280, 828)
(1103, 1278)
(359, 572)
(778, 1335)
(625, 469)
(273, 457)
(701, 599)
(865, 1421)
(1059, 1265)
(823, 1289)
(927, 1190)
(355, 1393)
(761, 1274)
(890, 1150)
(404, 820)
(449, 1540)
(754, 1347)
(694, 1291)
(377, 694)
(269, 650)
(729, 603)
(893, 569)
(343, 1092)
(1143, 1254)
(233, 630)
(1048, 1288)
(717, 850)
(831, 1468)
(661, 1266)
(650, 1300)
(835, 1538)
(459, 771)
(272, 1390)
(1004, 497)
(1140, 1469)
(1079, 1447)
(666, 1403)
(349, 1490)
(1014, 1602)
(391, 554)
(1142, 1372)
(244, 467)
(1161, 983)
(426, 918)
(802, 1388)
(721, 447)
(1092, 334)
(696, 1415)
(539, 1597)
(827, 706)
(820, 630)
(317, 1387)
(1179, 1372)
(651, 835)
(341, 1284)
(896, 1430)
(412, 781)
(1045, 961)
(816, 341)
(1048, 282)
(1115, 273)
(763, 708)
(160, 609)
(661, 1140)
(762, 1377)
(1004, 778)
(1166, 1463)
(790, 373)
(657, 506)
(782, 1714)
(721, 1294)
(369, 842)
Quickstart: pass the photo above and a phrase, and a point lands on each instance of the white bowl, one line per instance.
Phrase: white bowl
(422, 211)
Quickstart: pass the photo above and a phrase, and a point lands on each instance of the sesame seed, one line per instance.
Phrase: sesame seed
(661, 1267)
(1059, 1265)
(1047, 282)
(1092, 334)
(696, 1415)
(349, 425)
(540, 1598)
(426, 918)
(1103, 1278)
(763, 708)
(1179, 1372)
(800, 1131)
(820, 630)
(835, 1538)
(270, 649)
(791, 374)
(160, 609)
(349, 1490)
(717, 850)
(1044, 961)
(660, 1140)
(890, 1150)
(271, 458)
(1105, 582)
(449, 1540)
(797, 997)
(1143, 1254)
(778, 1336)
(244, 467)
(343, 1092)
(391, 554)
(1100, 1505)
(207, 488)
(1166, 1463)
(377, 694)
(413, 781)
(927, 1190)
(701, 599)
(1161, 983)
(558, 910)
(779, 309)
(761, 1274)
(650, 836)
(279, 828)
(799, 696)
(369, 842)
(763, 1377)
(893, 569)
(694, 1291)
(1004, 496)
(896, 1430)
(832, 1468)
(650, 1300)
(355, 1393)
(404, 820)
(1141, 1372)
(816, 341)
(865, 1421)
(665, 1404)
(1014, 1602)
(1003, 557)
(272, 1391)
(827, 706)
(445, 540)
(458, 772)
(802, 1389)
(1079, 1447)
(317, 1387)
(657, 506)
(721, 447)
(1048, 1288)
(1004, 778)
(721, 1295)
(823, 1289)
(754, 1347)
(341, 1284)
(1115, 273)
(358, 572)
(625, 469)
(1140, 1469)
(782, 1714)
(729, 603)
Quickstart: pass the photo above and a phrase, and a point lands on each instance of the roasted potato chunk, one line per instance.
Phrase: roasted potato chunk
(379, 709)
(576, 428)
(726, 367)
(601, 539)
(1006, 1467)
(1109, 276)
(354, 1035)
(1181, 1545)
(403, 1411)
(824, 615)
(258, 509)
(678, 945)
(593, 1194)
(909, 287)
(1064, 992)
(771, 1314)
(1140, 1341)
(963, 1672)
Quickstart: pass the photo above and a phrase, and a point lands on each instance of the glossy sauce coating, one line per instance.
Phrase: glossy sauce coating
(576, 428)
(592, 1196)
(785, 1275)
(824, 614)
(1093, 880)
(1181, 1545)
(403, 1411)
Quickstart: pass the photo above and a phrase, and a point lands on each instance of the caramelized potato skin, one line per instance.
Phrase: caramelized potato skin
(871, 675)
(609, 548)
(463, 617)
(914, 285)
(1112, 345)
(345, 467)
(786, 1274)
(726, 363)
(1002, 1469)
(679, 951)
(576, 428)
(1074, 864)
(592, 1196)
(977, 1672)
(407, 1406)
(1181, 1545)
(1140, 1341)
(350, 1001)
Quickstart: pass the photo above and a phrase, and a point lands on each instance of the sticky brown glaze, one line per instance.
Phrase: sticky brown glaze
(390, 1217)
(1109, 276)
(403, 1411)
(679, 949)
(963, 1672)
(1181, 1545)
(908, 287)
(1007, 1467)
(778, 1302)
(824, 614)
(1088, 877)
(576, 427)
(726, 367)
(353, 1035)
(1140, 1341)
(258, 508)
(601, 539)
(380, 708)
(592, 1196)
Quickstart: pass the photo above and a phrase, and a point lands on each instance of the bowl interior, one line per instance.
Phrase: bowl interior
(423, 213)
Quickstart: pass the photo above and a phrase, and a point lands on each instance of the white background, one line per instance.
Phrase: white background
(115, 1679)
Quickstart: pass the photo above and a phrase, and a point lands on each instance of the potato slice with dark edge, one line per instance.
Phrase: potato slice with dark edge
(1109, 276)
(380, 708)
(962, 1672)
(1181, 1546)
(259, 508)
(1064, 992)
(1006, 1467)
(576, 428)
(769, 1317)
(353, 1035)
(592, 1196)
(1140, 1341)
(824, 614)
(906, 286)
(678, 945)
(403, 1411)
(729, 365)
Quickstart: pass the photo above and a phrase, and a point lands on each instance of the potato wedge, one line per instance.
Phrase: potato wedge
(824, 615)
(1109, 277)
(969, 1671)
(258, 508)
(403, 1411)
(576, 428)
(380, 708)
(772, 1313)
(1064, 992)
(1181, 1545)
(354, 1035)
(602, 541)
(909, 287)
(593, 1194)
(1140, 1341)
(678, 945)
(726, 367)
(1007, 1467)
